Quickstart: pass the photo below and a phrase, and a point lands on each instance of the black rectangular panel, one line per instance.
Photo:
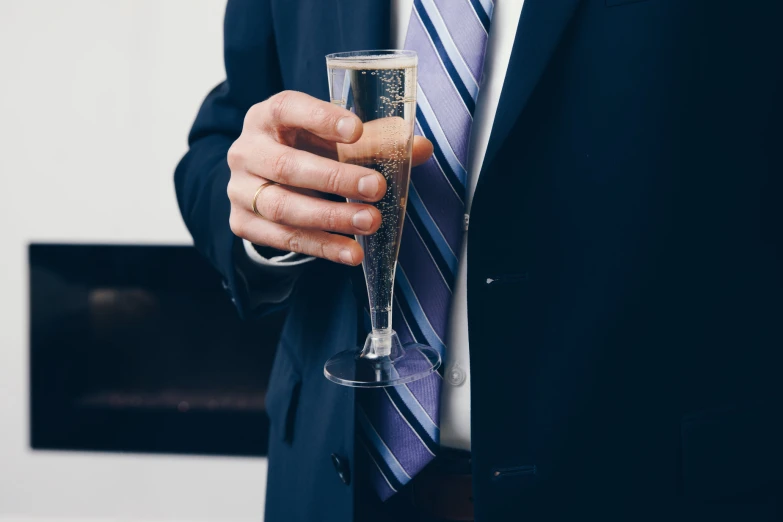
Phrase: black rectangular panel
(139, 349)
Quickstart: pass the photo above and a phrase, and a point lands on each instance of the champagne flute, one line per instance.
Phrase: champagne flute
(380, 88)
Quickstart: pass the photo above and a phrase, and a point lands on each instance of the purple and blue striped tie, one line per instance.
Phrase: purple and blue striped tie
(399, 426)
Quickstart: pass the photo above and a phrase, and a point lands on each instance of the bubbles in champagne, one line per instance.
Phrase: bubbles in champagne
(382, 94)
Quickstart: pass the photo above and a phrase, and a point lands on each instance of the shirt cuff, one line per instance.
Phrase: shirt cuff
(286, 260)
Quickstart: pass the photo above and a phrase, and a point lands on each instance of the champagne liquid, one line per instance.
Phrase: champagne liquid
(382, 93)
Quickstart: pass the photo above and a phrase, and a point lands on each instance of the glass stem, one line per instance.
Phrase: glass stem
(380, 340)
(381, 320)
(381, 316)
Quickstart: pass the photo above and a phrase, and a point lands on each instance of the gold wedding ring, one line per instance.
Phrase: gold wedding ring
(258, 193)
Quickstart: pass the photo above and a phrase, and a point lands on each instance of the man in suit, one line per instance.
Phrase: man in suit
(611, 259)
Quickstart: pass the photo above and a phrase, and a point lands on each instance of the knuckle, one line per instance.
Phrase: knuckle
(319, 249)
(234, 156)
(282, 166)
(317, 246)
(323, 118)
(294, 240)
(237, 224)
(330, 218)
(276, 208)
(254, 115)
(332, 179)
(279, 104)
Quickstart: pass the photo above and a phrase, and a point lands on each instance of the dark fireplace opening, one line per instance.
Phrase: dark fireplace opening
(139, 349)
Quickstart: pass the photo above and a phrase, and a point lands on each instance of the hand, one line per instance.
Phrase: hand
(291, 139)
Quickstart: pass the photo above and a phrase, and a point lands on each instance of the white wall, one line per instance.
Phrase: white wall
(96, 97)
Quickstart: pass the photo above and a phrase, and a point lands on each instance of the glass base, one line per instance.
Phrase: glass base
(383, 361)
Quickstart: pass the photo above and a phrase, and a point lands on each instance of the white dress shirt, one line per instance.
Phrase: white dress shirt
(455, 396)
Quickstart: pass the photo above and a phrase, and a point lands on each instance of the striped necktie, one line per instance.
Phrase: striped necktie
(399, 426)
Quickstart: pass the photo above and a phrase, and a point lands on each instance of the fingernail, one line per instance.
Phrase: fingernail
(345, 127)
(368, 186)
(362, 220)
(346, 257)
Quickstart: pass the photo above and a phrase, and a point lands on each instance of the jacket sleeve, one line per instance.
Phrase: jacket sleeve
(201, 178)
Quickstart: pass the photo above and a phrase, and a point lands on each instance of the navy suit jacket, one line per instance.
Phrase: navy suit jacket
(625, 277)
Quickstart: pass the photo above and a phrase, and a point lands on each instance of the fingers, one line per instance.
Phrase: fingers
(288, 207)
(385, 138)
(422, 150)
(422, 147)
(381, 139)
(294, 139)
(289, 166)
(297, 110)
(333, 247)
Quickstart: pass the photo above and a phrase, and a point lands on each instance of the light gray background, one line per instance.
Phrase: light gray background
(96, 98)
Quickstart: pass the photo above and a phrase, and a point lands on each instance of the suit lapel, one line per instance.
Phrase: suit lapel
(540, 27)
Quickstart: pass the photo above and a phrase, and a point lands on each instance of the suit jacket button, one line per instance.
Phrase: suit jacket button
(342, 468)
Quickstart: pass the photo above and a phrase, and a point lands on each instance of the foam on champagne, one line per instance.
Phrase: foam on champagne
(376, 62)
